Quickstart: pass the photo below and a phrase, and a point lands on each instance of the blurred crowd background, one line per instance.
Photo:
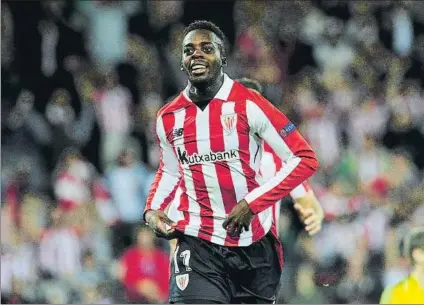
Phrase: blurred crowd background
(82, 82)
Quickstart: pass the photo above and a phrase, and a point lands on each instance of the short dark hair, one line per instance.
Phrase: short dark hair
(414, 240)
(209, 26)
(250, 83)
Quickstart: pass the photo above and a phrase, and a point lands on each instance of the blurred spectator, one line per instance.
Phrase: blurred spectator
(370, 117)
(360, 167)
(19, 276)
(113, 108)
(90, 279)
(172, 55)
(362, 28)
(164, 13)
(259, 59)
(107, 30)
(312, 26)
(49, 40)
(128, 182)
(403, 34)
(144, 270)
(66, 129)
(332, 53)
(60, 248)
(144, 56)
(357, 284)
(72, 185)
(321, 130)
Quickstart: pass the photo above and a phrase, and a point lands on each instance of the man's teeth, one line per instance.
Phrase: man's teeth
(198, 67)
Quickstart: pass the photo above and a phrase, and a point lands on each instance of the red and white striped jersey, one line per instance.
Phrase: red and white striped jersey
(60, 251)
(271, 164)
(210, 161)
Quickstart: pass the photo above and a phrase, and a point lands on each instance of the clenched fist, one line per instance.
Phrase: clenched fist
(239, 218)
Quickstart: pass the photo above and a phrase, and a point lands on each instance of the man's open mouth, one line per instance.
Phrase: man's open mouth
(198, 68)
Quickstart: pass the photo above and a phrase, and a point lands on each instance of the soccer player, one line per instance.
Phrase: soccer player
(306, 203)
(210, 136)
(411, 289)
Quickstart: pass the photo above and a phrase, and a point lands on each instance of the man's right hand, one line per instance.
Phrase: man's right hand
(157, 220)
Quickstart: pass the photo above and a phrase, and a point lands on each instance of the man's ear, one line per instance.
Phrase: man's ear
(223, 55)
(224, 61)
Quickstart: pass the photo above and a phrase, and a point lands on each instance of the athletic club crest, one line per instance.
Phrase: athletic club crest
(182, 281)
(229, 122)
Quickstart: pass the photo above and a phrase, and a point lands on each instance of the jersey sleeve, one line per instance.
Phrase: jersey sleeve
(299, 191)
(168, 175)
(281, 135)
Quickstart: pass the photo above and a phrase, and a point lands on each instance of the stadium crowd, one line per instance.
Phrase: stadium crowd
(82, 82)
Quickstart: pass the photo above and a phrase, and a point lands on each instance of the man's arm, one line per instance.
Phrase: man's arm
(168, 175)
(281, 135)
(308, 208)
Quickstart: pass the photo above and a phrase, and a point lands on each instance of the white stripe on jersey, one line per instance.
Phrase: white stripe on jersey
(193, 205)
(210, 175)
(172, 170)
(239, 180)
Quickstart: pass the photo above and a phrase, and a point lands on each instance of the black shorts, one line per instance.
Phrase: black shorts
(206, 271)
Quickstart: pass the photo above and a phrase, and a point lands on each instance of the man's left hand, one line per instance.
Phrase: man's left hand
(239, 219)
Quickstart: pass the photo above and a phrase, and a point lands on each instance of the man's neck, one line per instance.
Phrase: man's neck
(418, 274)
(198, 93)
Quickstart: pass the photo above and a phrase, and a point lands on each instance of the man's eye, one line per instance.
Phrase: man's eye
(188, 51)
(207, 49)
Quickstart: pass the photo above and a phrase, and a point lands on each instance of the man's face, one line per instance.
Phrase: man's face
(202, 56)
(418, 256)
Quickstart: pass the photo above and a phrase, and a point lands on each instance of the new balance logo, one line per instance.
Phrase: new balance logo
(210, 157)
(177, 132)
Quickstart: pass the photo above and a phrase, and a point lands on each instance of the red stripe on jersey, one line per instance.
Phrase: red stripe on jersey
(243, 137)
(277, 161)
(202, 195)
(184, 201)
(244, 141)
(217, 144)
(223, 171)
(279, 164)
(184, 206)
(168, 124)
(278, 245)
(306, 186)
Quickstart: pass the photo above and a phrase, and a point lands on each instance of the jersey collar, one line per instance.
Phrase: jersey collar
(223, 93)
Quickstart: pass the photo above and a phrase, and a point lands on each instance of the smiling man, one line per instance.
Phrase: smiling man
(210, 138)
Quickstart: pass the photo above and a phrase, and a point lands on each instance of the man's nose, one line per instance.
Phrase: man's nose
(197, 53)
